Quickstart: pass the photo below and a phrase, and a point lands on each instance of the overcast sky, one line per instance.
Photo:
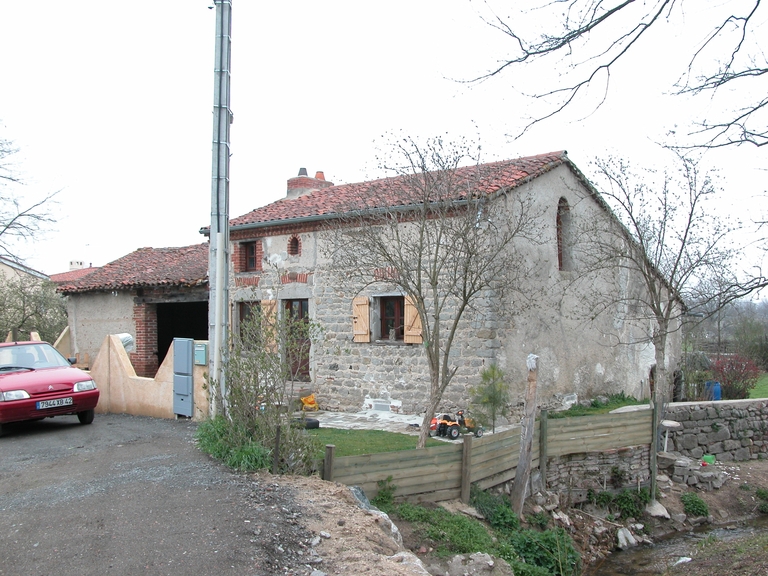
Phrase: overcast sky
(110, 102)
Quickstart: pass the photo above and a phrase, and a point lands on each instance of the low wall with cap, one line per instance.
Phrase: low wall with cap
(728, 429)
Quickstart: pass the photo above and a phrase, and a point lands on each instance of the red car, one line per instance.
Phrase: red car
(37, 382)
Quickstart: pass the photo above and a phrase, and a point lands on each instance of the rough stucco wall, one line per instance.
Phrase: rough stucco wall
(92, 316)
(122, 392)
(576, 355)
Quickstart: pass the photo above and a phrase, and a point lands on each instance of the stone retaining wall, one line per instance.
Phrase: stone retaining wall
(574, 474)
(729, 429)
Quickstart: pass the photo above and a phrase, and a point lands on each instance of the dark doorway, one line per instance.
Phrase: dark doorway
(180, 320)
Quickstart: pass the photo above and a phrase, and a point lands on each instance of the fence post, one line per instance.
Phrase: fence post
(654, 433)
(466, 469)
(330, 449)
(543, 446)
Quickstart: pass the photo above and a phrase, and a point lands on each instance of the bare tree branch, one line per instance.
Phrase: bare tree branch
(671, 240)
(600, 33)
(19, 220)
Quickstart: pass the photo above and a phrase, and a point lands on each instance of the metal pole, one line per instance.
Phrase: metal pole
(218, 255)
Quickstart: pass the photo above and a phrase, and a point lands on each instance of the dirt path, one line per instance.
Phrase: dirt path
(129, 496)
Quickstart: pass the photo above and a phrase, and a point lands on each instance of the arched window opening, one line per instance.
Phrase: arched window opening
(564, 239)
(294, 246)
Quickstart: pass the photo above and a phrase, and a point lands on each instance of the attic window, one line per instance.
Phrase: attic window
(294, 246)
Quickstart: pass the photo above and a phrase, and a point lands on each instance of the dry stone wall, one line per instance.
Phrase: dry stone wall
(574, 474)
(729, 429)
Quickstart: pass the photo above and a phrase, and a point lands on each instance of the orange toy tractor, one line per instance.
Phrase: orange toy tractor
(447, 425)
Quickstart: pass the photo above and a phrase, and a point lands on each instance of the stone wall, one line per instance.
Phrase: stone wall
(575, 474)
(728, 429)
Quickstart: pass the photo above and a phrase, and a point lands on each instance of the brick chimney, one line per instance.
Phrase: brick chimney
(303, 184)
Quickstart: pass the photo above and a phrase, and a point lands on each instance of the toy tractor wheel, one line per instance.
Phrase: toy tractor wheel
(479, 433)
(453, 432)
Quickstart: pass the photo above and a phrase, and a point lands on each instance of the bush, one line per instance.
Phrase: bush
(219, 439)
(496, 509)
(261, 361)
(552, 550)
(693, 505)
(737, 376)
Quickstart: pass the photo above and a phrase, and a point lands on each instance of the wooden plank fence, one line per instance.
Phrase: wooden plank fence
(446, 472)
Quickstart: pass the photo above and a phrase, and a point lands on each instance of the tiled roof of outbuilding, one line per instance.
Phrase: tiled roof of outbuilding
(390, 192)
(146, 267)
(72, 275)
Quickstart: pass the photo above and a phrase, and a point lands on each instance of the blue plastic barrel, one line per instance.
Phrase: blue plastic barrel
(712, 390)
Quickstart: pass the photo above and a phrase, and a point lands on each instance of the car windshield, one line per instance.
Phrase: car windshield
(30, 356)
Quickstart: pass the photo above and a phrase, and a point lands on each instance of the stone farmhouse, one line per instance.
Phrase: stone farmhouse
(278, 262)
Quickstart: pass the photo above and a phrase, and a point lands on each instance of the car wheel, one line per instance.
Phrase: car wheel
(2, 429)
(86, 417)
(453, 432)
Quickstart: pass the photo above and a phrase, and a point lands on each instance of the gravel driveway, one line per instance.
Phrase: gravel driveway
(129, 495)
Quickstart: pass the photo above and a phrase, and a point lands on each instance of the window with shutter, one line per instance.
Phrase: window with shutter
(361, 313)
(412, 323)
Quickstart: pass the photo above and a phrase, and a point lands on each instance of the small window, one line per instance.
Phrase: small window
(392, 318)
(252, 256)
(294, 246)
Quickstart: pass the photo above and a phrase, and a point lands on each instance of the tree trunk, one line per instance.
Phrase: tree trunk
(523, 472)
(431, 409)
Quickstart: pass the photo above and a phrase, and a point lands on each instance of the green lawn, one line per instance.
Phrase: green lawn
(761, 390)
(357, 442)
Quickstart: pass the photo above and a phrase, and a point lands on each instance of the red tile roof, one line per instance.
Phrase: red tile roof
(390, 192)
(72, 275)
(147, 267)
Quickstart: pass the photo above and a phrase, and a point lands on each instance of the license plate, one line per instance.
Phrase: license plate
(43, 404)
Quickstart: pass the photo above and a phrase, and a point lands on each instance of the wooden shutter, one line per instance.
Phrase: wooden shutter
(361, 313)
(269, 321)
(412, 333)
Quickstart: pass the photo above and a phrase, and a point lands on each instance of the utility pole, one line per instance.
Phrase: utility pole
(218, 254)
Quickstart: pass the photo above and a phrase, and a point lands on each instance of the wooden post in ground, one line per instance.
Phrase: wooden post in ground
(330, 451)
(543, 439)
(523, 472)
(466, 469)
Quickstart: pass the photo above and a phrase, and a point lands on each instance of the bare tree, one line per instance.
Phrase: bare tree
(672, 242)
(449, 239)
(19, 220)
(595, 37)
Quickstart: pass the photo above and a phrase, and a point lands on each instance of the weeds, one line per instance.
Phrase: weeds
(693, 505)
(539, 520)
(385, 499)
(529, 552)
